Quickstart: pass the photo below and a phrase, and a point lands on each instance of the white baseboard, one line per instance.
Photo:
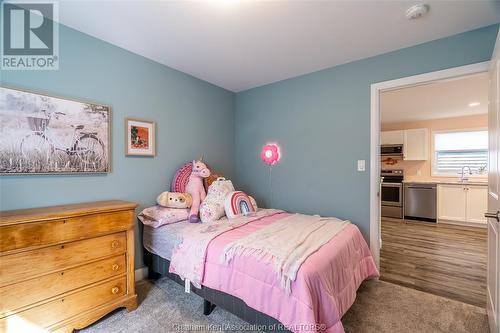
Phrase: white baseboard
(141, 273)
(465, 223)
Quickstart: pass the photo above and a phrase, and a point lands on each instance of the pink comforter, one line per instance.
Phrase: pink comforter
(324, 290)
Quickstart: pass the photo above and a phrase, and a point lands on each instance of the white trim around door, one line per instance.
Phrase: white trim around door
(376, 89)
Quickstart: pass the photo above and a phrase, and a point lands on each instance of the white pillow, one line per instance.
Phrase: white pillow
(212, 208)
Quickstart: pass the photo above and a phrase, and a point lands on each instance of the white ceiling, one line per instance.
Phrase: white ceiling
(238, 44)
(441, 99)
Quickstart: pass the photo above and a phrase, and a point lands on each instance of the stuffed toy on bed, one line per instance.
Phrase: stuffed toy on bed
(196, 189)
(175, 200)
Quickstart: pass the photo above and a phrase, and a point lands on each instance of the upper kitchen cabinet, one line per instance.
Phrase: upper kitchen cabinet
(416, 144)
(391, 138)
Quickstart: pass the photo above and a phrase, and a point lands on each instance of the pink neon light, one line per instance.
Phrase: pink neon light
(270, 154)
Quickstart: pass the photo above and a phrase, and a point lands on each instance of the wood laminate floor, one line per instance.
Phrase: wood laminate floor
(441, 259)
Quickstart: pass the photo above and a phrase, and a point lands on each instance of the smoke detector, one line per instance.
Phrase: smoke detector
(417, 11)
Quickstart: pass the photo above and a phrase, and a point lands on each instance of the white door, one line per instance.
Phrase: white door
(451, 202)
(493, 291)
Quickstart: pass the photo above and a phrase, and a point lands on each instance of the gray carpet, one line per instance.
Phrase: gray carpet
(386, 307)
(380, 307)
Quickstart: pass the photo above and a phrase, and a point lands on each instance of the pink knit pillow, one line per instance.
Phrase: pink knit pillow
(181, 178)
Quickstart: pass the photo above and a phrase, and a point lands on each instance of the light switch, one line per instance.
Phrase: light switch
(361, 165)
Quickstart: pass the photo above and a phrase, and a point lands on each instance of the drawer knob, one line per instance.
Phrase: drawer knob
(115, 290)
(114, 244)
(115, 267)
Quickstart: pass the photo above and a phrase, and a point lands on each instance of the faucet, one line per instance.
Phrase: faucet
(462, 177)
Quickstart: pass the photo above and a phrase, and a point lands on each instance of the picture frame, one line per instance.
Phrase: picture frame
(140, 137)
(44, 134)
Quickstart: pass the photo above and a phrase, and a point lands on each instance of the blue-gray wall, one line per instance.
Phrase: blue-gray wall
(192, 117)
(321, 120)
(322, 123)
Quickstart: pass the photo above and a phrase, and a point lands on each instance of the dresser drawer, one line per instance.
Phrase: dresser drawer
(24, 293)
(26, 265)
(14, 237)
(50, 313)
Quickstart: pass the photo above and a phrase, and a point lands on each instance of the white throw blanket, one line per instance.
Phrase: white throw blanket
(287, 242)
(188, 258)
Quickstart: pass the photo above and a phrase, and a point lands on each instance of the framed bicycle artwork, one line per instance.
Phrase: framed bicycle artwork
(139, 137)
(42, 134)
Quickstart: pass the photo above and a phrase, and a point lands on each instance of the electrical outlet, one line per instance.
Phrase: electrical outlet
(361, 165)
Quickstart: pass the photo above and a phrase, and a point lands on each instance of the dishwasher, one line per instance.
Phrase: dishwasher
(420, 201)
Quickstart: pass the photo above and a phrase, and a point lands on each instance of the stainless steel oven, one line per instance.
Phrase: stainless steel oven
(392, 196)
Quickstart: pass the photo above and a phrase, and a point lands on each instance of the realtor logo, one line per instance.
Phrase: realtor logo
(30, 35)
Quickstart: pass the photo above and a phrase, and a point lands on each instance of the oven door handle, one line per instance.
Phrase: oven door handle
(392, 185)
(421, 188)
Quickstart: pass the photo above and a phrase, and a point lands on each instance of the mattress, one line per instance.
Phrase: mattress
(161, 241)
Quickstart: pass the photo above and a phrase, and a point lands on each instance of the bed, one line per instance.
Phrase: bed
(324, 288)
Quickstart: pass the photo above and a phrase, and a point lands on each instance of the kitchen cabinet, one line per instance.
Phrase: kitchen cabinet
(477, 203)
(451, 203)
(462, 203)
(391, 138)
(416, 144)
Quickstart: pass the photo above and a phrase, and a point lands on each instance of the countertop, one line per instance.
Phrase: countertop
(446, 182)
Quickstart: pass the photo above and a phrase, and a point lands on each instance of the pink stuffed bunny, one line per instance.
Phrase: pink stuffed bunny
(196, 189)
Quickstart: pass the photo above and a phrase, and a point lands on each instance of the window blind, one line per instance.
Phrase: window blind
(454, 150)
(451, 162)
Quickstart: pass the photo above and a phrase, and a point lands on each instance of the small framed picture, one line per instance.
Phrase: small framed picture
(139, 137)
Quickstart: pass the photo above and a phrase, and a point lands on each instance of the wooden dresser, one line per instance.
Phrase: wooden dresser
(64, 267)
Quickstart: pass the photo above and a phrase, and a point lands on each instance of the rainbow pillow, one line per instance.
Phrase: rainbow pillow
(237, 203)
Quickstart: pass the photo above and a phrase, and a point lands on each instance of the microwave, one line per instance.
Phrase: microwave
(391, 150)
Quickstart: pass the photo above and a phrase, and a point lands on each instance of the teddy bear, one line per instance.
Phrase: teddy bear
(175, 200)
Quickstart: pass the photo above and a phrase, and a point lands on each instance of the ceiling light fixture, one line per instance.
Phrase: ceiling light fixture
(417, 11)
(473, 104)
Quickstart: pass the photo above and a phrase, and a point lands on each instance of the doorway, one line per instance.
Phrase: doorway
(421, 150)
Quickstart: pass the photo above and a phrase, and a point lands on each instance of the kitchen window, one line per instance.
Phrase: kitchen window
(456, 149)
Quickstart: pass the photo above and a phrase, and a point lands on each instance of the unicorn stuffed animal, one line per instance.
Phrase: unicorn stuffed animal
(196, 189)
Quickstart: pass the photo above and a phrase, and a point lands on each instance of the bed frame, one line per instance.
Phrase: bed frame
(158, 267)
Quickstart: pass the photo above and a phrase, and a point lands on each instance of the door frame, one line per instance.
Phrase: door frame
(376, 89)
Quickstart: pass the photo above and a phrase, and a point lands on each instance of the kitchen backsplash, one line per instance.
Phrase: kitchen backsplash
(413, 169)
